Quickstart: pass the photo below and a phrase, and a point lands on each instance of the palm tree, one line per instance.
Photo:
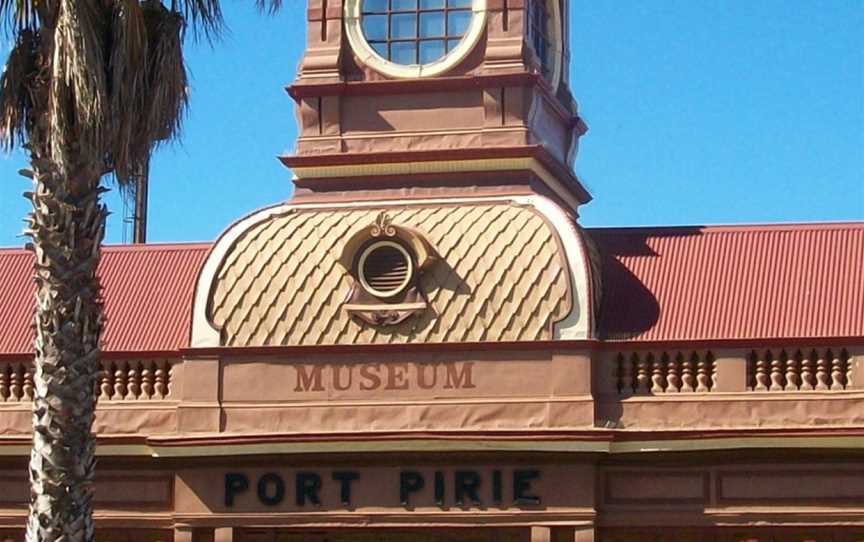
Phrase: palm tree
(89, 89)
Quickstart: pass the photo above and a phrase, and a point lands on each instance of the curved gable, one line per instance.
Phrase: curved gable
(503, 274)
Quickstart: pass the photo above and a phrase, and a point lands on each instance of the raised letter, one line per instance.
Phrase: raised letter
(439, 488)
(467, 483)
(421, 375)
(396, 376)
(264, 483)
(409, 482)
(307, 486)
(497, 492)
(369, 372)
(461, 379)
(306, 381)
(337, 377)
(521, 486)
(235, 483)
(345, 478)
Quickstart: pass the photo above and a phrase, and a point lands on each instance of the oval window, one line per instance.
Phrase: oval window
(413, 38)
(385, 269)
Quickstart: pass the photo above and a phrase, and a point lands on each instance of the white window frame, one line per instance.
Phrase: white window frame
(556, 33)
(369, 57)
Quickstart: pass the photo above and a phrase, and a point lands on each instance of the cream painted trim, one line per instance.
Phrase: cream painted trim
(485, 445)
(480, 445)
(389, 517)
(440, 166)
(577, 325)
(204, 335)
(556, 33)
(368, 56)
(361, 269)
(647, 446)
(557, 37)
(363, 135)
(418, 445)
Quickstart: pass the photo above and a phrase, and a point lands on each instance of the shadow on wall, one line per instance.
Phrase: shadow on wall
(628, 307)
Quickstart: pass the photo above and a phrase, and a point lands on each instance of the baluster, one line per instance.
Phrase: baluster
(15, 382)
(161, 384)
(169, 377)
(688, 375)
(642, 377)
(838, 371)
(120, 373)
(4, 382)
(27, 387)
(147, 380)
(133, 382)
(701, 372)
(847, 360)
(807, 377)
(822, 376)
(712, 365)
(105, 384)
(776, 372)
(658, 381)
(792, 374)
(673, 373)
(762, 378)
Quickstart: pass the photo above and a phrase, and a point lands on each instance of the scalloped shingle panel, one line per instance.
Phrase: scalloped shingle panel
(502, 277)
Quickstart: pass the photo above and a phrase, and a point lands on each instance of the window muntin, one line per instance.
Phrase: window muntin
(544, 34)
(415, 32)
(539, 34)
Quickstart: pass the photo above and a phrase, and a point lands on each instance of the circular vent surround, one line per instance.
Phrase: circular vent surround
(385, 269)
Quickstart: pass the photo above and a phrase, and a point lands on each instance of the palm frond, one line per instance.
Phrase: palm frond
(78, 87)
(18, 15)
(202, 16)
(15, 89)
(269, 6)
(128, 77)
(167, 83)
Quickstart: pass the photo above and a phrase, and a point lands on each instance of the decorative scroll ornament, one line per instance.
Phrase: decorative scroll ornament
(383, 226)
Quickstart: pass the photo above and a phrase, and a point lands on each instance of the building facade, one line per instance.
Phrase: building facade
(425, 345)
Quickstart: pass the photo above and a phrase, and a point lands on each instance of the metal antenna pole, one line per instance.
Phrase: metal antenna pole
(139, 218)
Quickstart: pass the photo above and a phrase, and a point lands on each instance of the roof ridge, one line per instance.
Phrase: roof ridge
(720, 228)
(148, 247)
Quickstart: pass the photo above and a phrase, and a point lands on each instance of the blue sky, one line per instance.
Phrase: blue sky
(700, 112)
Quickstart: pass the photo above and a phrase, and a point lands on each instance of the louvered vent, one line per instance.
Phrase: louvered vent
(385, 269)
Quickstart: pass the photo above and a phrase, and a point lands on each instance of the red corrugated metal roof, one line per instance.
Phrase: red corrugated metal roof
(735, 282)
(659, 284)
(148, 297)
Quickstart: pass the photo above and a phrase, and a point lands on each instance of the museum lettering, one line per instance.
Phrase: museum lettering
(462, 488)
(387, 376)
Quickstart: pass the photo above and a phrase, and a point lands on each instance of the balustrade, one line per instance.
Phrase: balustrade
(799, 370)
(120, 380)
(654, 373)
(134, 380)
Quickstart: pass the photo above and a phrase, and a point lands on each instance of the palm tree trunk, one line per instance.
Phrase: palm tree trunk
(66, 226)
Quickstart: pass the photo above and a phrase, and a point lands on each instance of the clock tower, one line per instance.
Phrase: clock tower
(436, 98)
